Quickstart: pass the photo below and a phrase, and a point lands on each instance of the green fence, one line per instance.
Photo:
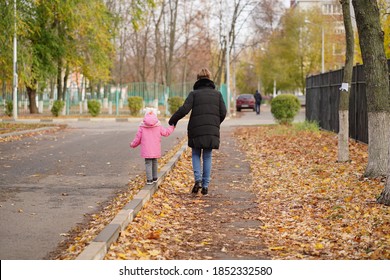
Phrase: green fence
(112, 97)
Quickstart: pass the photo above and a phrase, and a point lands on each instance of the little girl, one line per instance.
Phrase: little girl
(149, 136)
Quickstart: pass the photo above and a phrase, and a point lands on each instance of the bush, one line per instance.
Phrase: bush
(9, 107)
(94, 107)
(285, 107)
(135, 104)
(312, 126)
(174, 103)
(58, 105)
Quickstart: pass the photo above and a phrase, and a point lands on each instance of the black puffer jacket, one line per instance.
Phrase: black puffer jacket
(208, 112)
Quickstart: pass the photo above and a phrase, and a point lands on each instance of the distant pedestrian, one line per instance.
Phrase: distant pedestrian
(149, 137)
(258, 99)
(208, 111)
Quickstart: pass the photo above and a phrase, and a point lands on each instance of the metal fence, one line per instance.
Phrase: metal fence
(113, 99)
(323, 97)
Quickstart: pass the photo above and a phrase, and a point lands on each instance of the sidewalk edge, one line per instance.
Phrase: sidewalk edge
(97, 249)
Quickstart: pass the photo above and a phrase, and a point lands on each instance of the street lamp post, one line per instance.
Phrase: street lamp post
(15, 70)
(228, 73)
(228, 97)
(226, 7)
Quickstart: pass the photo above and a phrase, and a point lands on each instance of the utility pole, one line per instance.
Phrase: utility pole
(228, 72)
(15, 79)
(227, 59)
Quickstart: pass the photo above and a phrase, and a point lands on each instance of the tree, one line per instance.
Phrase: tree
(56, 38)
(293, 50)
(265, 18)
(343, 135)
(247, 80)
(384, 9)
(38, 47)
(6, 35)
(230, 24)
(371, 39)
(89, 41)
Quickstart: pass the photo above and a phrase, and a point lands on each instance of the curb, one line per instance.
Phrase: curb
(16, 133)
(70, 120)
(97, 249)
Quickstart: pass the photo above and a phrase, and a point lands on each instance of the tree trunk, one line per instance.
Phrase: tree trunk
(52, 86)
(173, 6)
(32, 93)
(157, 55)
(64, 85)
(3, 88)
(59, 80)
(377, 86)
(343, 146)
(384, 198)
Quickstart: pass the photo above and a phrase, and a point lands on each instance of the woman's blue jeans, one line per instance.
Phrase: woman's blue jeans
(199, 174)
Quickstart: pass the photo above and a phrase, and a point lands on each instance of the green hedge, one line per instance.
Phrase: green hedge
(174, 103)
(9, 107)
(94, 107)
(135, 105)
(58, 105)
(285, 107)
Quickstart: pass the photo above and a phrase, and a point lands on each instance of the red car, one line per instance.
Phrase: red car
(245, 101)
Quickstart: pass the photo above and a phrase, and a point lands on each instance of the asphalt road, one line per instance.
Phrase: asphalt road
(49, 181)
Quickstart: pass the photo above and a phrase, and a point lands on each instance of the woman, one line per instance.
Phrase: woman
(208, 112)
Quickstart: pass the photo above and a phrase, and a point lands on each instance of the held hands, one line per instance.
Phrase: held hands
(172, 124)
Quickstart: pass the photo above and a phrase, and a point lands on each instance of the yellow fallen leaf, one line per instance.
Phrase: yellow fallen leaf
(277, 248)
(140, 253)
(325, 181)
(122, 256)
(319, 246)
(348, 199)
(167, 206)
(154, 253)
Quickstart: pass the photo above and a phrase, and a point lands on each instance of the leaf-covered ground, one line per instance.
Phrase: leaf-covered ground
(8, 127)
(276, 193)
(11, 127)
(179, 225)
(313, 207)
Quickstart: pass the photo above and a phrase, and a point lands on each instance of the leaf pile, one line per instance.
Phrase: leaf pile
(313, 207)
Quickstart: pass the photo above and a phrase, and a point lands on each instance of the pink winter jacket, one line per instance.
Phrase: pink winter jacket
(149, 136)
